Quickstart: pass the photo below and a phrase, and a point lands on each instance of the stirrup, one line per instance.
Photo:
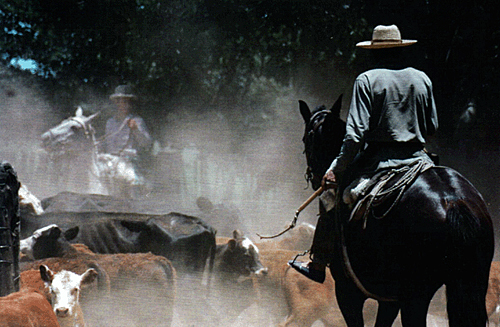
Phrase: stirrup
(313, 274)
(300, 255)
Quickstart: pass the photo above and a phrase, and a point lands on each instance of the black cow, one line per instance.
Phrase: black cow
(185, 240)
(81, 202)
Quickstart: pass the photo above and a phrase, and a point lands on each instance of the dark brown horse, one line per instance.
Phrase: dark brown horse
(439, 233)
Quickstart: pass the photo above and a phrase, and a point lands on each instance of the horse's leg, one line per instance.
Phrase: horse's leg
(387, 313)
(350, 301)
(466, 303)
(415, 304)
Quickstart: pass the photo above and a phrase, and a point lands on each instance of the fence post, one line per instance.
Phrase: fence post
(9, 230)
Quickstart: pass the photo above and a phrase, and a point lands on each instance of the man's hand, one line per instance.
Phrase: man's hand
(132, 124)
(329, 180)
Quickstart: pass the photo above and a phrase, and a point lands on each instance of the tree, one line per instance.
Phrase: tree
(212, 52)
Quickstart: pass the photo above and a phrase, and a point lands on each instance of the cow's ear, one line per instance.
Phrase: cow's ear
(71, 233)
(89, 276)
(134, 226)
(55, 232)
(46, 274)
(237, 234)
(232, 244)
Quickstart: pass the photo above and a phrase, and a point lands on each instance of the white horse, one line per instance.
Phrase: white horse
(74, 140)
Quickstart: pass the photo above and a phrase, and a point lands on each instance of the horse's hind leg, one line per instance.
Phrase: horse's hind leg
(415, 304)
(466, 303)
(387, 313)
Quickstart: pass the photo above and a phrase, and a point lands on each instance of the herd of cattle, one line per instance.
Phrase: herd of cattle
(94, 265)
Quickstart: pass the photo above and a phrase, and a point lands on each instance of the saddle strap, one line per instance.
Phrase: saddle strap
(380, 193)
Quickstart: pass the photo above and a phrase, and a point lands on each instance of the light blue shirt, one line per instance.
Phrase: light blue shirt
(120, 139)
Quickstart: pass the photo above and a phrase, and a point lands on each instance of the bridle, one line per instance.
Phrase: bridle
(310, 141)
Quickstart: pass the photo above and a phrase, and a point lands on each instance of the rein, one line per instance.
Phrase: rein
(313, 126)
(105, 136)
(296, 217)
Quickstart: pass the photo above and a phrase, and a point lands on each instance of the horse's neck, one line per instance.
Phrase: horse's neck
(94, 150)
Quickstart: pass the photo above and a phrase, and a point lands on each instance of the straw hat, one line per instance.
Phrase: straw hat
(385, 37)
(123, 91)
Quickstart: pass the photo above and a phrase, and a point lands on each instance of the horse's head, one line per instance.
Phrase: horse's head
(72, 135)
(324, 132)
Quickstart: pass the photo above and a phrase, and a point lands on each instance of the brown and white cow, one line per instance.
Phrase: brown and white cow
(28, 307)
(236, 263)
(32, 279)
(237, 258)
(135, 279)
(65, 287)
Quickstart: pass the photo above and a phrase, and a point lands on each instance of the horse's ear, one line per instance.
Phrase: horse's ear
(305, 111)
(79, 112)
(337, 106)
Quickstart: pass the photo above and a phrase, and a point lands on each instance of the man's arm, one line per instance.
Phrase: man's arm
(358, 123)
(140, 132)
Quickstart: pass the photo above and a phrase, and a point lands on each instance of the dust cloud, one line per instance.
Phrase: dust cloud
(244, 157)
(249, 158)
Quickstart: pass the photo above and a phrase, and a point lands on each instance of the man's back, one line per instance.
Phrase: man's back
(399, 104)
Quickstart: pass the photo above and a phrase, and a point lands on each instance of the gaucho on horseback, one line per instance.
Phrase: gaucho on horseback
(126, 132)
(391, 114)
(400, 227)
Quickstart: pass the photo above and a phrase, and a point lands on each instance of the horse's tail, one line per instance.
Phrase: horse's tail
(470, 244)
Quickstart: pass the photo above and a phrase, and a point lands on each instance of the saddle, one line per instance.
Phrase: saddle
(384, 190)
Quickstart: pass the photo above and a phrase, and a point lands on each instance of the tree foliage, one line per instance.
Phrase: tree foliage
(212, 51)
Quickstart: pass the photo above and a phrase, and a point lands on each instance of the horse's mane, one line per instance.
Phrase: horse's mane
(323, 135)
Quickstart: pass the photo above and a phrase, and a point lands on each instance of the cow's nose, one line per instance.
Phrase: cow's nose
(62, 312)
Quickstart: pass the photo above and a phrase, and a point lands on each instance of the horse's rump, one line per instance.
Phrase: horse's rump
(439, 229)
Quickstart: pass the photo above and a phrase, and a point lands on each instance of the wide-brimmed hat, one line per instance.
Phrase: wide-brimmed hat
(385, 37)
(123, 91)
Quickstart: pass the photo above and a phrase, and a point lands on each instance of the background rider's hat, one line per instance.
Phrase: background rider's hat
(123, 91)
(385, 37)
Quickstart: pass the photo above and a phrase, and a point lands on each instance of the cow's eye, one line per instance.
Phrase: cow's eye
(74, 291)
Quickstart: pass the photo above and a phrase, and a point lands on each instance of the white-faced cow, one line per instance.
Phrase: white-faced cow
(237, 259)
(136, 279)
(28, 307)
(65, 287)
(236, 264)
